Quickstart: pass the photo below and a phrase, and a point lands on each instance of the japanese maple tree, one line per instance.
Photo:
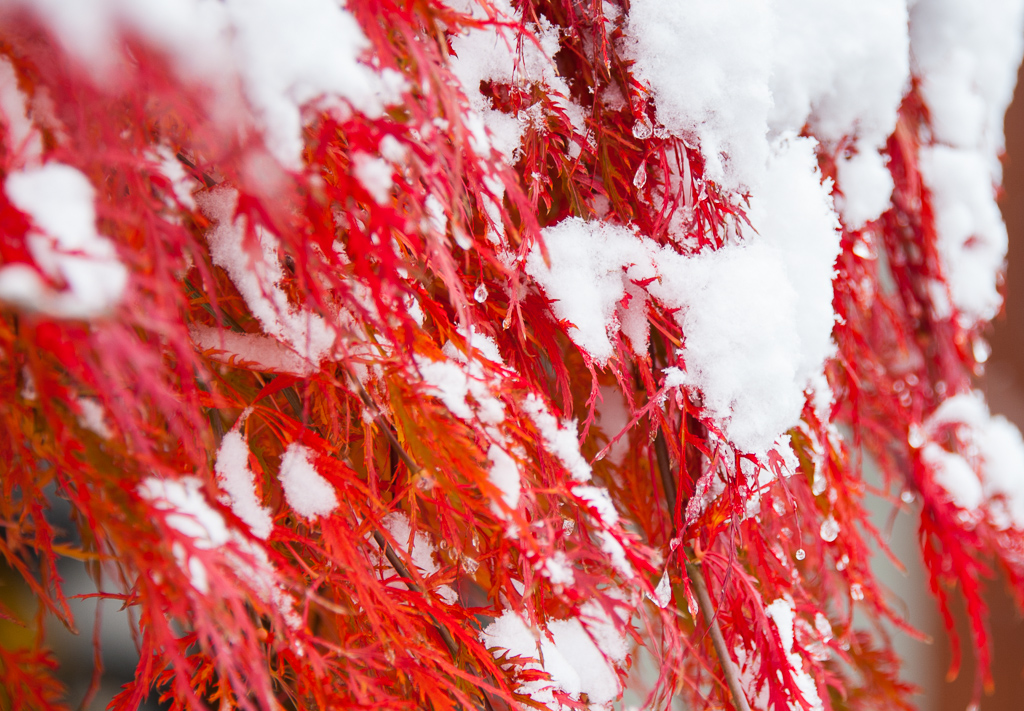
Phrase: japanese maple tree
(458, 355)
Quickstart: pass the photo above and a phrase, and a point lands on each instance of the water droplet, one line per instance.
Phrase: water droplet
(819, 483)
(643, 129)
(863, 250)
(480, 295)
(800, 554)
(842, 563)
(691, 603)
(844, 645)
(915, 437)
(907, 496)
(982, 350)
(856, 591)
(640, 177)
(829, 529)
(912, 380)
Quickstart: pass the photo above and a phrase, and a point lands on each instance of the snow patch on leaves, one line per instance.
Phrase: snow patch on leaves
(239, 484)
(580, 654)
(987, 466)
(757, 315)
(420, 551)
(65, 246)
(257, 275)
(307, 492)
(286, 56)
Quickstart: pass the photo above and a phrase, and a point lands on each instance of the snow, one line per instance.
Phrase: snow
(190, 514)
(64, 244)
(972, 238)
(590, 266)
(92, 416)
(579, 654)
(454, 380)
(305, 489)
(866, 186)
(708, 65)
(257, 275)
(559, 438)
(731, 76)
(490, 54)
(757, 314)
(239, 483)
(23, 141)
(558, 569)
(285, 56)
(598, 499)
(967, 57)
(373, 174)
(989, 470)
(504, 474)
(955, 475)
(781, 611)
(182, 184)
(419, 549)
(256, 351)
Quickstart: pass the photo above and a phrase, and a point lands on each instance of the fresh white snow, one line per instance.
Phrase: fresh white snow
(305, 489)
(64, 243)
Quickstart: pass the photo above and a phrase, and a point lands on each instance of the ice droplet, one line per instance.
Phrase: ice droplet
(800, 554)
(691, 603)
(480, 295)
(663, 593)
(856, 591)
(982, 350)
(568, 526)
(643, 129)
(640, 177)
(915, 437)
(842, 563)
(907, 496)
(819, 483)
(780, 506)
(829, 529)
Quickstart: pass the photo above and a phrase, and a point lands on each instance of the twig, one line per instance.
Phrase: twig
(732, 680)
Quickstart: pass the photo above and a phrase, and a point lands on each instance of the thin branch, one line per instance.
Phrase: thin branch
(732, 680)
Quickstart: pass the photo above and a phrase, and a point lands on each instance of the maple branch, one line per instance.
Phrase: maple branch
(697, 577)
(732, 680)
